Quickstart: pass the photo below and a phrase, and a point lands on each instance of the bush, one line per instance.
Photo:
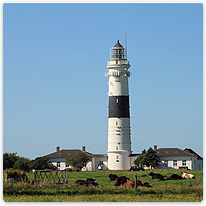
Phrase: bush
(40, 163)
(68, 169)
(77, 161)
(51, 166)
(23, 164)
(75, 169)
(9, 160)
(148, 158)
(151, 159)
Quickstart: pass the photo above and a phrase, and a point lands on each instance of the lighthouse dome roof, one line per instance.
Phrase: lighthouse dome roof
(118, 44)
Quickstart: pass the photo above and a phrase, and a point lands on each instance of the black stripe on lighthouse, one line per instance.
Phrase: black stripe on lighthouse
(119, 106)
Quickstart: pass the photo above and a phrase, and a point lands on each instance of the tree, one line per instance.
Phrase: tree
(40, 163)
(23, 164)
(78, 160)
(9, 160)
(140, 160)
(51, 166)
(151, 159)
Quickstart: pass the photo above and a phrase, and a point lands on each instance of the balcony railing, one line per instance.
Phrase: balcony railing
(120, 61)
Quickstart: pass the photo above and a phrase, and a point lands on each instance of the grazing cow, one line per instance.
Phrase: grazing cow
(139, 183)
(187, 176)
(121, 180)
(146, 184)
(80, 182)
(90, 179)
(87, 182)
(16, 176)
(129, 183)
(174, 177)
(156, 176)
(91, 182)
(126, 182)
(112, 177)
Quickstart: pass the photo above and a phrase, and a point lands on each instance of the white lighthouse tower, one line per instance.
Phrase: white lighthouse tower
(119, 132)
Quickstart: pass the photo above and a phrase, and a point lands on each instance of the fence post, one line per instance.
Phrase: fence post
(135, 182)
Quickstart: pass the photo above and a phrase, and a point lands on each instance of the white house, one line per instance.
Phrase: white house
(95, 161)
(171, 158)
(174, 158)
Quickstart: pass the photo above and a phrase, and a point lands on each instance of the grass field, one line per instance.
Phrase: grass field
(190, 190)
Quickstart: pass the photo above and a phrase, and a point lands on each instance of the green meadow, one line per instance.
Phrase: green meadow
(186, 190)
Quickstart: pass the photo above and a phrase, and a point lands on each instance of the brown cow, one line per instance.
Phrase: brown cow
(129, 183)
(119, 181)
(16, 176)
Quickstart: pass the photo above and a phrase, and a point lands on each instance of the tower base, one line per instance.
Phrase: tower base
(118, 160)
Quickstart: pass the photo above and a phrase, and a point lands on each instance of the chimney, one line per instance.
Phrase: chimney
(155, 147)
(83, 148)
(57, 149)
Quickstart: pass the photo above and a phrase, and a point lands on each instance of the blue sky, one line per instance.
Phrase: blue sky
(55, 89)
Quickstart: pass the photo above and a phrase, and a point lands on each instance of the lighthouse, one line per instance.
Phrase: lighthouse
(119, 131)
